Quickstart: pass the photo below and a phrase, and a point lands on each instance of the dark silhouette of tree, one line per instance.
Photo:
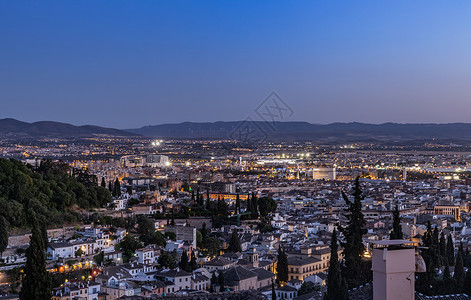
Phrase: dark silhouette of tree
(282, 265)
(442, 248)
(222, 208)
(396, 233)
(446, 271)
(103, 182)
(273, 292)
(117, 188)
(467, 283)
(204, 232)
(431, 256)
(234, 243)
(221, 280)
(193, 263)
(166, 260)
(355, 270)
(36, 282)
(336, 286)
(3, 235)
(459, 274)
(237, 203)
(450, 249)
(266, 205)
(110, 188)
(184, 264)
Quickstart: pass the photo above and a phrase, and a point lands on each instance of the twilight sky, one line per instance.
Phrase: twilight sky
(126, 64)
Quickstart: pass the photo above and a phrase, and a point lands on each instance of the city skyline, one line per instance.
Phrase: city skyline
(128, 65)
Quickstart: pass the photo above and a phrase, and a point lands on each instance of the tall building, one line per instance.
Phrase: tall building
(326, 173)
(393, 266)
(154, 160)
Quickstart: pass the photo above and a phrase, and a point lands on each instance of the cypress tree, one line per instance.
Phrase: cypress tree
(103, 182)
(221, 281)
(467, 283)
(3, 235)
(36, 282)
(184, 264)
(204, 233)
(461, 251)
(117, 188)
(446, 271)
(450, 249)
(282, 265)
(255, 206)
(336, 288)
(234, 243)
(442, 248)
(396, 233)
(459, 274)
(237, 203)
(110, 187)
(356, 272)
(193, 263)
(273, 292)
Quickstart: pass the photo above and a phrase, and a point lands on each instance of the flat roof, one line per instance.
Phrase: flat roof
(392, 242)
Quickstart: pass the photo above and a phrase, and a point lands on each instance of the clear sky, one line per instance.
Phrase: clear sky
(126, 64)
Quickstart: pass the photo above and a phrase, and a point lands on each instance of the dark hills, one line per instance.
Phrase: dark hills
(12, 128)
(253, 131)
(304, 131)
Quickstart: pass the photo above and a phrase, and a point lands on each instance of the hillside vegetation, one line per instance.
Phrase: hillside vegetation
(52, 192)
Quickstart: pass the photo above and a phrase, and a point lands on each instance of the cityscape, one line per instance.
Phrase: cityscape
(113, 187)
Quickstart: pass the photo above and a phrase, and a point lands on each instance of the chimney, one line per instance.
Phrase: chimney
(393, 266)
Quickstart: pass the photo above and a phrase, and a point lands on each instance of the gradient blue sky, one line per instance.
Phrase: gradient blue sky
(127, 64)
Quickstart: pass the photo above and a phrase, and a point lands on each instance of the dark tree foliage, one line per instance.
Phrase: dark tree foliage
(431, 256)
(237, 203)
(221, 280)
(467, 283)
(222, 209)
(266, 206)
(193, 263)
(355, 269)
(103, 182)
(442, 248)
(459, 274)
(234, 243)
(117, 188)
(184, 264)
(128, 245)
(147, 233)
(336, 285)
(49, 190)
(166, 260)
(36, 282)
(308, 287)
(253, 206)
(282, 266)
(273, 292)
(3, 235)
(450, 249)
(396, 233)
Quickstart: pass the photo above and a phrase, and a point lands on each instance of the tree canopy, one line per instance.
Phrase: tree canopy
(50, 190)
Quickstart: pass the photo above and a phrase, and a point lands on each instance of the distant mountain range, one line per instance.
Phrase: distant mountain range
(12, 128)
(252, 131)
(304, 131)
